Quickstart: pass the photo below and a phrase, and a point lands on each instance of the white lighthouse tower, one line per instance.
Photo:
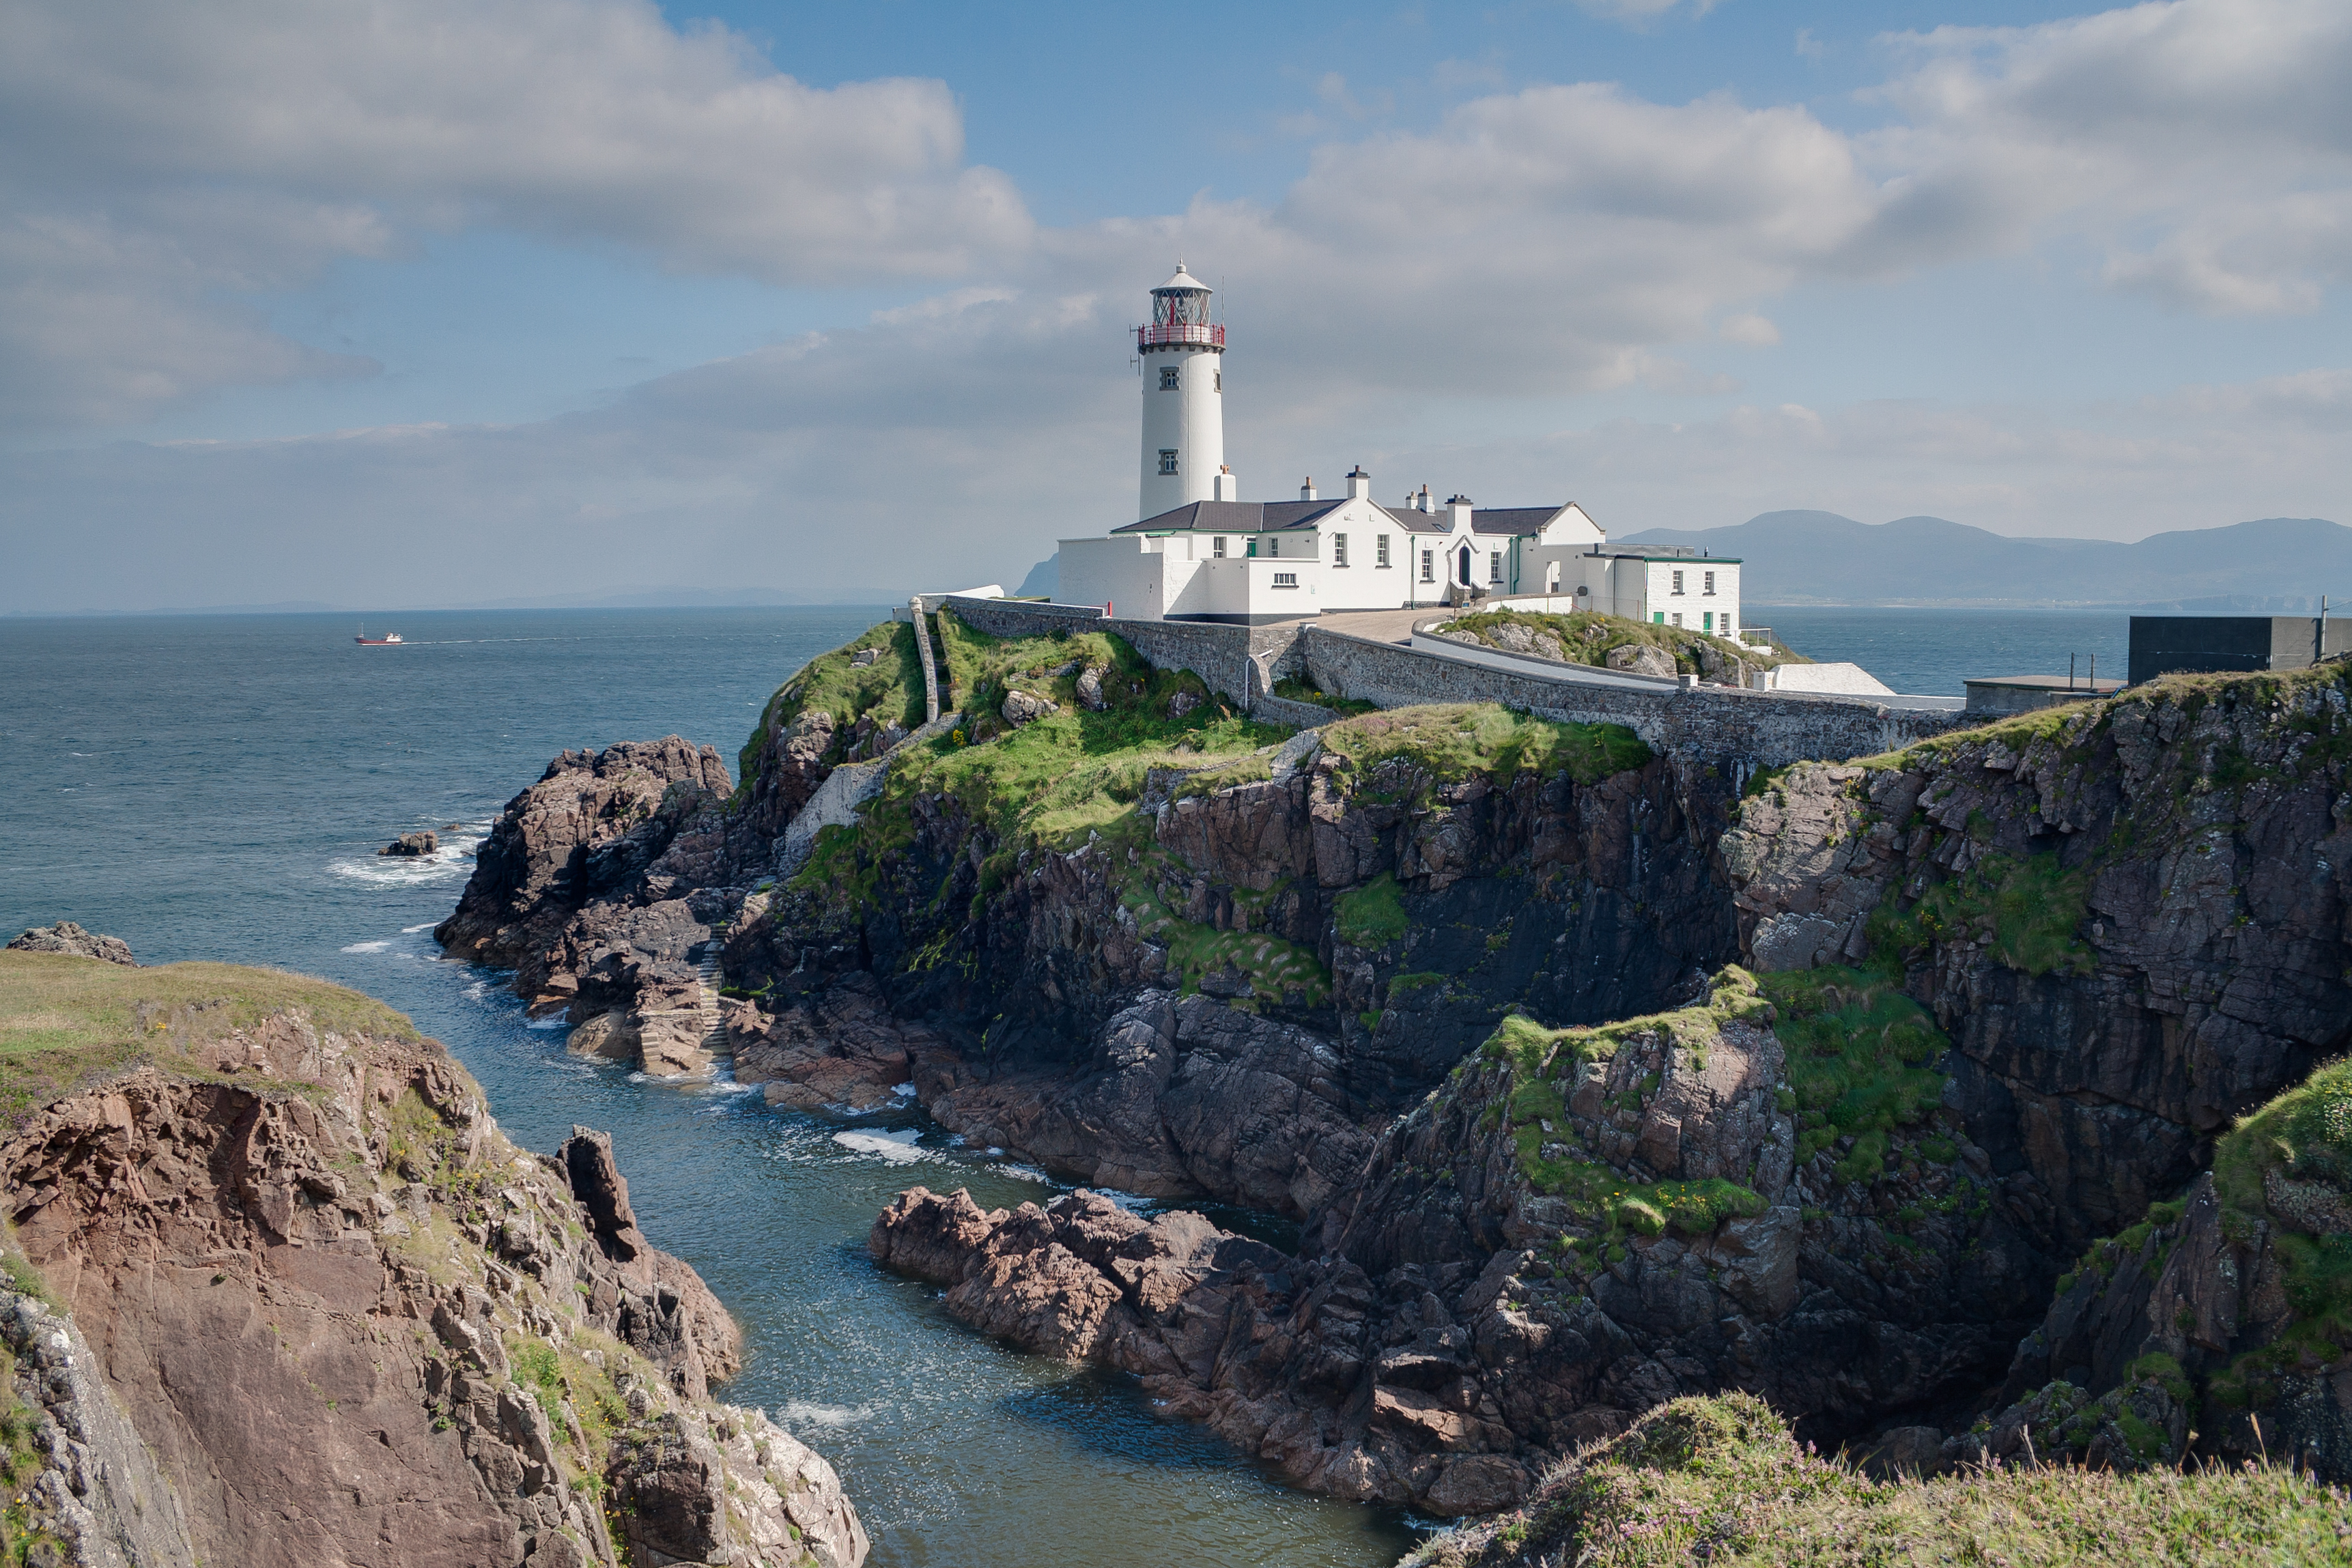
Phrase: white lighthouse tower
(1184, 399)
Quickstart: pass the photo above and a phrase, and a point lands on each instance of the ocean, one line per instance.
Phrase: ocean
(214, 787)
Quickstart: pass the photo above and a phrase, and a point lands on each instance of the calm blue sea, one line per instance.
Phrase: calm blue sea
(1929, 652)
(214, 787)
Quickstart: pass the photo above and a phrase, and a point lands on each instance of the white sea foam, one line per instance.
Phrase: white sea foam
(558, 1021)
(1126, 1201)
(898, 1148)
(1026, 1173)
(453, 859)
(384, 946)
(806, 1412)
(903, 1091)
(412, 930)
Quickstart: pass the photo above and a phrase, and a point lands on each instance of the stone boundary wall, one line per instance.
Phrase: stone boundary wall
(1721, 724)
(1724, 724)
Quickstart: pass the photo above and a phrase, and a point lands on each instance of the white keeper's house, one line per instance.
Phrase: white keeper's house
(1201, 553)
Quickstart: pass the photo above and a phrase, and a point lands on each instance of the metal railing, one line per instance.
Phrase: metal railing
(1182, 334)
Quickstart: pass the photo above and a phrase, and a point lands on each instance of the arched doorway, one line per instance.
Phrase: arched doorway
(1463, 562)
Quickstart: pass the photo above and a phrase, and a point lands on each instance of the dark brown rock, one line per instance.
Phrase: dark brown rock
(411, 845)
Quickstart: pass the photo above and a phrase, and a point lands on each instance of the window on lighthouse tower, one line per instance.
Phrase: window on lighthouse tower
(1167, 378)
(1168, 460)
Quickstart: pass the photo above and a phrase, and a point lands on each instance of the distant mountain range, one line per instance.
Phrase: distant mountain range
(2277, 565)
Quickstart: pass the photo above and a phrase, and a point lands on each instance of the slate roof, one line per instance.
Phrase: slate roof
(1235, 517)
(1276, 516)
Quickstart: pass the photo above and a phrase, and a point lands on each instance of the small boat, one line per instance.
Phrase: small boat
(390, 639)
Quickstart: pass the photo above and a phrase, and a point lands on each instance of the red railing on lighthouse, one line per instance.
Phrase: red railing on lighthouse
(1180, 334)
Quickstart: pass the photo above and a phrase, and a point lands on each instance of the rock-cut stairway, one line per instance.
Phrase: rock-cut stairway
(714, 1031)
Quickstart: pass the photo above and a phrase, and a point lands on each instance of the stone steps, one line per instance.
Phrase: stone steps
(714, 1031)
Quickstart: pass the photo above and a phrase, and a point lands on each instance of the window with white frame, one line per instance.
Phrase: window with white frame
(1495, 566)
(1707, 584)
(1428, 566)
(1217, 382)
(1217, 548)
(1339, 549)
(1678, 617)
(1286, 580)
(1167, 378)
(1380, 550)
(1678, 584)
(1274, 547)
(1168, 460)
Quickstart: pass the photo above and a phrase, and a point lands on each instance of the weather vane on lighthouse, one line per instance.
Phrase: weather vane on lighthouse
(1182, 354)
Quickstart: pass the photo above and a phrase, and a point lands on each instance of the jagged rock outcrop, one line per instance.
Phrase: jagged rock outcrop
(94, 1497)
(354, 1324)
(1574, 1228)
(2130, 915)
(66, 937)
(592, 823)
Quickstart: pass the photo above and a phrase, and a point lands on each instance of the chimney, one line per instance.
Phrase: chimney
(1226, 487)
(1457, 511)
(1424, 503)
(1359, 483)
(1307, 491)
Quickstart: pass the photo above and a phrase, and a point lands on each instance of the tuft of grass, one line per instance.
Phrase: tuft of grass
(2303, 1137)
(1858, 1057)
(1587, 638)
(1454, 741)
(2029, 909)
(1720, 1480)
(1373, 914)
(891, 688)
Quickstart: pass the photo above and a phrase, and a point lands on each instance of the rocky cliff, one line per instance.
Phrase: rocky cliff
(285, 1294)
(1435, 983)
(1105, 923)
(1577, 1225)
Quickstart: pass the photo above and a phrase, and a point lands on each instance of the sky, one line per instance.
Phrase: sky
(456, 300)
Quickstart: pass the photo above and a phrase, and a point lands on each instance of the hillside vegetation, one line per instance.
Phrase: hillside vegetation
(1721, 1480)
(66, 1021)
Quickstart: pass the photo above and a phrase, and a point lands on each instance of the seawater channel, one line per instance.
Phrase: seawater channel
(214, 787)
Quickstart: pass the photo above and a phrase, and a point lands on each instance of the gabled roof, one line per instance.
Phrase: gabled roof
(1419, 522)
(1235, 517)
(1513, 519)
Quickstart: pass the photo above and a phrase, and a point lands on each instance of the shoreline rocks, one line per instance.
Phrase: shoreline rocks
(67, 938)
(413, 846)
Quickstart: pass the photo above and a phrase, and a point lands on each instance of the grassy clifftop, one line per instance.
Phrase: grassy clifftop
(1721, 1480)
(66, 1021)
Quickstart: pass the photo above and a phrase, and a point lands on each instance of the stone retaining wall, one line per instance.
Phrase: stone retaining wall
(1720, 724)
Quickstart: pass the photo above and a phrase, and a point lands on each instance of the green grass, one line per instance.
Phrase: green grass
(2029, 909)
(2305, 1135)
(64, 1021)
(891, 688)
(1858, 1058)
(1299, 690)
(1541, 1060)
(1588, 638)
(1373, 914)
(1454, 741)
(1720, 1480)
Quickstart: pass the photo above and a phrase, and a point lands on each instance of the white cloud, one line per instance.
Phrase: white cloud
(2206, 144)
(137, 132)
(1636, 12)
(1752, 330)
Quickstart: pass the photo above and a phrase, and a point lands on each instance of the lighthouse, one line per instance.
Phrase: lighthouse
(1182, 355)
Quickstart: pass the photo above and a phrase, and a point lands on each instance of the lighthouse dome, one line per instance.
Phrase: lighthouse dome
(1182, 283)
